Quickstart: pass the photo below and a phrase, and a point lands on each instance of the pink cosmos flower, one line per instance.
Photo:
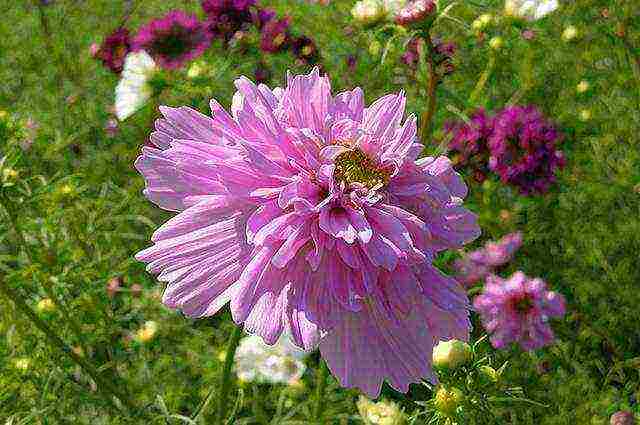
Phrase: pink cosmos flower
(311, 213)
(174, 39)
(517, 310)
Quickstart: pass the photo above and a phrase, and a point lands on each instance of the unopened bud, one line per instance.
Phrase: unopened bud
(45, 305)
(136, 290)
(623, 417)
(367, 11)
(496, 43)
(488, 375)
(415, 12)
(569, 33)
(582, 86)
(113, 286)
(451, 354)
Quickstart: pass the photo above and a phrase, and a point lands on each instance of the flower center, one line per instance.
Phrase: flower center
(523, 305)
(174, 43)
(354, 166)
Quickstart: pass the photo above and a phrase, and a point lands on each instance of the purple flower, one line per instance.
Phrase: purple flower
(523, 149)
(275, 35)
(469, 144)
(226, 17)
(478, 264)
(311, 213)
(262, 16)
(517, 310)
(114, 49)
(174, 39)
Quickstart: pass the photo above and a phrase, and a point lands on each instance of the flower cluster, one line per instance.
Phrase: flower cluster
(281, 362)
(478, 264)
(518, 144)
(523, 149)
(517, 310)
(312, 214)
(174, 39)
(114, 49)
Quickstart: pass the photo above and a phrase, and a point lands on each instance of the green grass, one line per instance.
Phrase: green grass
(583, 237)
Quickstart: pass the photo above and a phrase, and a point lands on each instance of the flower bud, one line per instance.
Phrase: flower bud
(582, 86)
(482, 21)
(585, 115)
(9, 174)
(380, 413)
(623, 417)
(569, 33)
(45, 305)
(22, 364)
(496, 43)
(113, 286)
(451, 354)
(415, 12)
(488, 375)
(367, 11)
(136, 290)
(147, 332)
(447, 401)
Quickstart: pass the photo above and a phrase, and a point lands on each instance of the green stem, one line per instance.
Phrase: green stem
(428, 115)
(225, 378)
(103, 385)
(320, 387)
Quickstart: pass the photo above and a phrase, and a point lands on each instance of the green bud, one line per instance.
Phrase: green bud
(451, 354)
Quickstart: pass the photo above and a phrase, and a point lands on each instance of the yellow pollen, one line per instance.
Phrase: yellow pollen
(307, 50)
(354, 166)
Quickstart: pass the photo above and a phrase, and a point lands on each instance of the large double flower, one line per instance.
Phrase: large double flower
(311, 213)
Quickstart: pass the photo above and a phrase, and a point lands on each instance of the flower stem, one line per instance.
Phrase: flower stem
(428, 115)
(320, 387)
(225, 378)
(104, 386)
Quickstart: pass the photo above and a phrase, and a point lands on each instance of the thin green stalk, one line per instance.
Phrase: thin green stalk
(320, 387)
(106, 388)
(427, 116)
(13, 220)
(225, 378)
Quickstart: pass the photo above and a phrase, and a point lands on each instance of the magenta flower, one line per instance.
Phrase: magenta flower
(517, 310)
(114, 49)
(311, 213)
(226, 17)
(274, 36)
(469, 144)
(523, 149)
(174, 39)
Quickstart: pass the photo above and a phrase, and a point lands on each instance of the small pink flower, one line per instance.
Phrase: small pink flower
(517, 310)
(174, 39)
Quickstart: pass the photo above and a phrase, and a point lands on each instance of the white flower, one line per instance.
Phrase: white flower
(133, 90)
(531, 10)
(278, 363)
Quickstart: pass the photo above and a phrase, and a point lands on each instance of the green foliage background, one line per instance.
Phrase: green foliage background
(583, 238)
